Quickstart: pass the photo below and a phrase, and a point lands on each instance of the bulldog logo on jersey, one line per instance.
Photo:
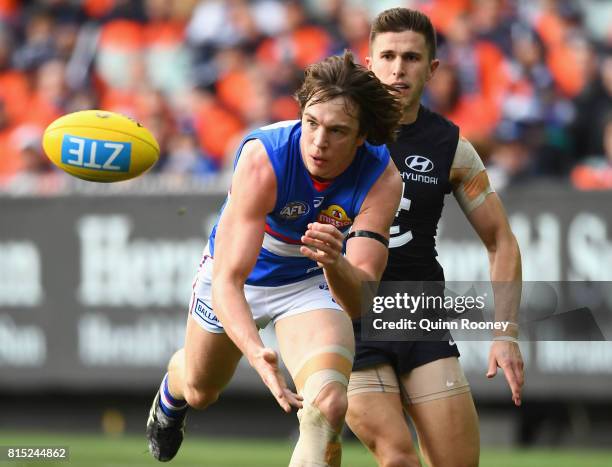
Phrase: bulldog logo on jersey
(336, 216)
(293, 210)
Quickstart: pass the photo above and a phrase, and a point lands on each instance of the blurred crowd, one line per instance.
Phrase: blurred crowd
(528, 81)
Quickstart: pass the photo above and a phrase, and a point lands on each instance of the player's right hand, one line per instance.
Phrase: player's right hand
(322, 243)
(507, 356)
(265, 362)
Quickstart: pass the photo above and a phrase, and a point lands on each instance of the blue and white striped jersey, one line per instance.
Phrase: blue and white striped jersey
(300, 200)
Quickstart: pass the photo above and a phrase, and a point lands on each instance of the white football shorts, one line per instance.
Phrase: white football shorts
(266, 303)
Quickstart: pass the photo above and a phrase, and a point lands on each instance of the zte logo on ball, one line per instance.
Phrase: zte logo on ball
(96, 154)
(419, 164)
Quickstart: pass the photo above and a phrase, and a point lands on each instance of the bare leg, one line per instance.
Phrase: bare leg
(300, 338)
(447, 427)
(200, 371)
(378, 420)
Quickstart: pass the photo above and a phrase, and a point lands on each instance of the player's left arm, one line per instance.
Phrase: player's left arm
(366, 256)
(485, 212)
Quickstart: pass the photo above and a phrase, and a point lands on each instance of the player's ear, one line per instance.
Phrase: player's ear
(368, 61)
(361, 139)
(433, 66)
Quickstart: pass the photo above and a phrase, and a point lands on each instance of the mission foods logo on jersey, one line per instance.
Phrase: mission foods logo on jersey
(293, 210)
(336, 216)
(421, 165)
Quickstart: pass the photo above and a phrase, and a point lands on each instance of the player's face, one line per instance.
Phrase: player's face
(330, 137)
(401, 60)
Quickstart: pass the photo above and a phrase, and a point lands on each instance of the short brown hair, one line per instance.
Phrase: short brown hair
(379, 111)
(404, 19)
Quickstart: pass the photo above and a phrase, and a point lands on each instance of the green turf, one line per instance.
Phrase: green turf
(99, 451)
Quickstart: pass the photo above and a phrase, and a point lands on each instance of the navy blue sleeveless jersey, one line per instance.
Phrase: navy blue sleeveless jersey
(299, 202)
(423, 153)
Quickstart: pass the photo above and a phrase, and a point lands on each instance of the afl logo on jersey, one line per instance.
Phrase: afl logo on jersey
(293, 210)
(419, 163)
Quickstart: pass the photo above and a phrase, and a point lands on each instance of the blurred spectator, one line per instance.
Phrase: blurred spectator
(511, 160)
(168, 61)
(480, 68)
(10, 163)
(494, 21)
(443, 13)
(354, 29)
(218, 129)
(595, 173)
(198, 73)
(593, 107)
(38, 44)
(445, 95)
(532, 100)
(50, 95)
(14, 86)
(530, 82)
(301, 42)
(119, 60)
(569, 55)
(22, 154)
(28, 141)
(186, 158)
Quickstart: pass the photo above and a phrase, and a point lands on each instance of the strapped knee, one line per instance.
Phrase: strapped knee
(319, 443)
(325, 365)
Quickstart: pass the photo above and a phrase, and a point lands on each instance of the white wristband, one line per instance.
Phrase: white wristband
(506, 339)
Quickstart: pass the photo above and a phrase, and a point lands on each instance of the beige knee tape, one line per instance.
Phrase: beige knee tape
(323, 366)
(319, 444)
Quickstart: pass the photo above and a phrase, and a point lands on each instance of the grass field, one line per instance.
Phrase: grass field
(98, 451)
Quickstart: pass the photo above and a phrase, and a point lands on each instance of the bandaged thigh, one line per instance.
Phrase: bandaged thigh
(439, 379)
(380, 378)
(319, 442)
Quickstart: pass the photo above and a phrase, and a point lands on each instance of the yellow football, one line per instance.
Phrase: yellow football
(100, 146)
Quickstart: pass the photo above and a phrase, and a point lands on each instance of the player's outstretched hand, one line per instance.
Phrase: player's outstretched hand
(507, 356)
(323, 243)
(265, 363)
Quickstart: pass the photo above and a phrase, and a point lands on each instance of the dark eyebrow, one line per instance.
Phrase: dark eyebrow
(403, 54)
(339, 126)
(310, 116)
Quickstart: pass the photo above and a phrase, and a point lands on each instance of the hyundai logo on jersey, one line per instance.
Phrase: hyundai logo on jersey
(293, 210)
(419, 163)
